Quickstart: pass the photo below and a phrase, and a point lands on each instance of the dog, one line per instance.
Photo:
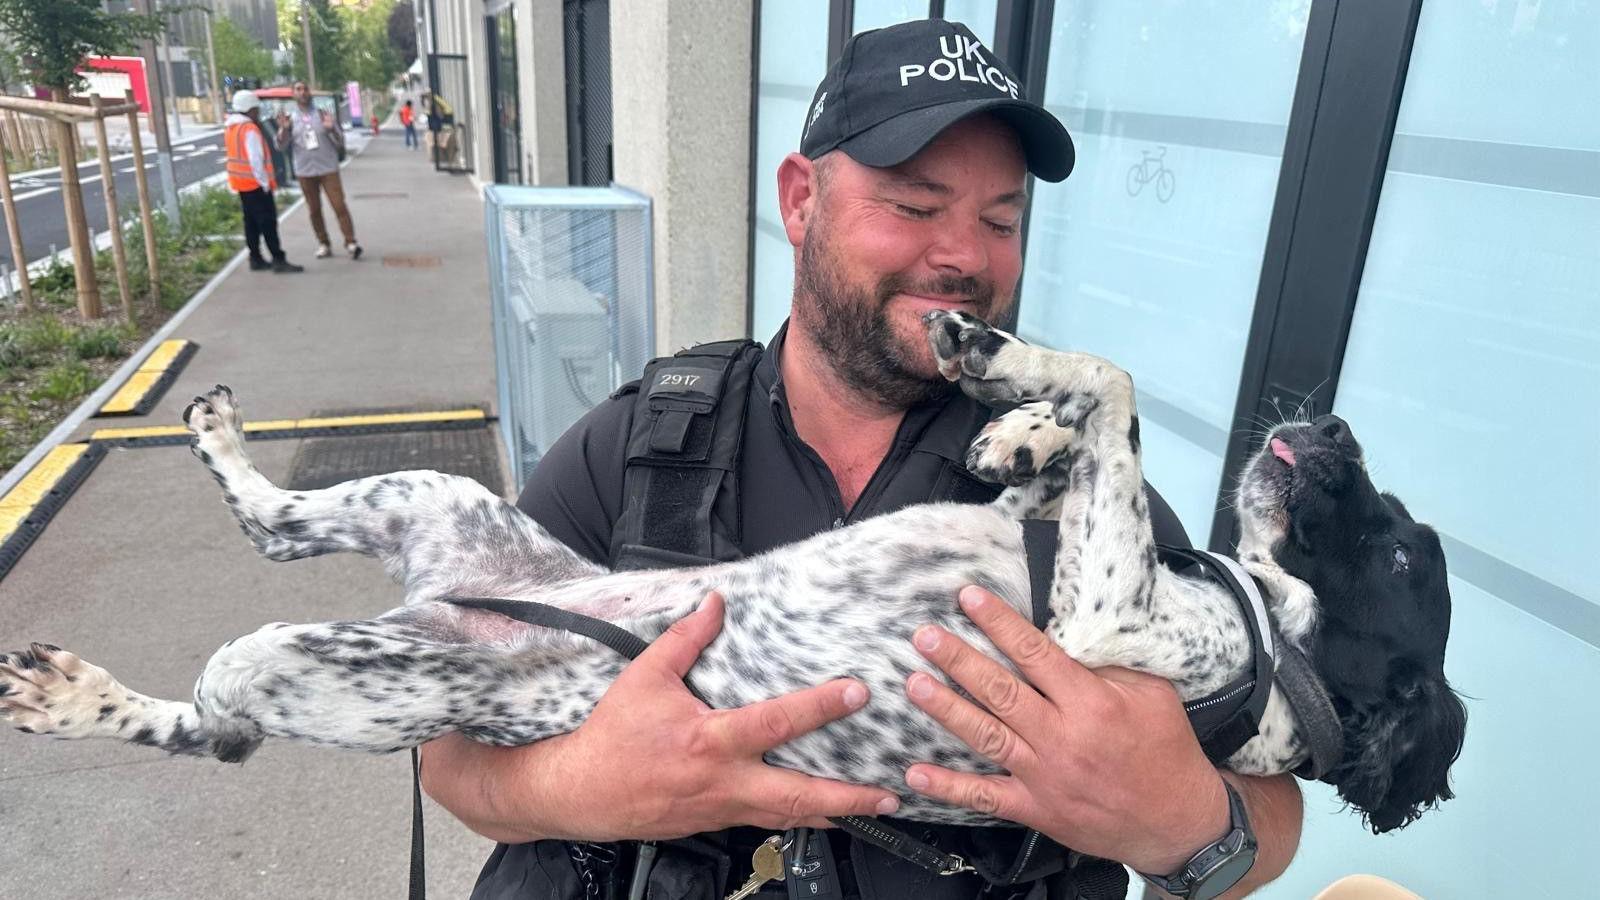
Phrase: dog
(1351, 580)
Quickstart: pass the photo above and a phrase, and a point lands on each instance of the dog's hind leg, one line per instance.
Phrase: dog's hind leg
(436, 534)
(379, 685)
(1106, 561)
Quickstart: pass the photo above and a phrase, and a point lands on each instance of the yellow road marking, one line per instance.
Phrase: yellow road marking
(141, 381)
(20, 501)
(452, 415)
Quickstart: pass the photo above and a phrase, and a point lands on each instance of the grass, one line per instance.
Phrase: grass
(52, 358)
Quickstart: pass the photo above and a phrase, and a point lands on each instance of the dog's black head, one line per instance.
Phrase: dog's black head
(1384, 614)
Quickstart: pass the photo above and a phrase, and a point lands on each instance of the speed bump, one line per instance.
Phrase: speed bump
(28, 507)
(138, 395)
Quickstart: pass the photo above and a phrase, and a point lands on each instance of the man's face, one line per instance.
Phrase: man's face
(885, 246)
(302, 93)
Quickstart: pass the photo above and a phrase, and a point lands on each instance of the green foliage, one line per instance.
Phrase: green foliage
(25, 342)
(328, 41)
(350, 41)
(64, 381)
(238, 54)
(97, 342)
(52, 38)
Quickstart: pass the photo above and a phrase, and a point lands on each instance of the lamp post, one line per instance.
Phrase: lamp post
(305, 31)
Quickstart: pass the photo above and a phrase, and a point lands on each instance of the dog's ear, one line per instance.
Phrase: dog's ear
(1398, 753)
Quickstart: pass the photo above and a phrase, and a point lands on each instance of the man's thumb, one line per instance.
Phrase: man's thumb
(679, 646)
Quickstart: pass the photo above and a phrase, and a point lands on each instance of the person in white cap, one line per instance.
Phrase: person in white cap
(250, 175)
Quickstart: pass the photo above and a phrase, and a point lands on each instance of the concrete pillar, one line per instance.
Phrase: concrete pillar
(680, 76)
(542, 84)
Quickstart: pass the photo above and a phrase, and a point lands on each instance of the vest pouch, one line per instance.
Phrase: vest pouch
(688, 869)
(642, 556)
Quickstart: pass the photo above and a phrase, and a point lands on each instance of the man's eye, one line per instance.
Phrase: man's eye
(914, 212)
(1001, 228)
(1402, 561)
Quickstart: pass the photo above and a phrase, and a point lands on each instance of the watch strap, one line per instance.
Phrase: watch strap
(1201, 877)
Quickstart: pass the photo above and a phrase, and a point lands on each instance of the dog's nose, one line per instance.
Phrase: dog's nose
(1333, 428)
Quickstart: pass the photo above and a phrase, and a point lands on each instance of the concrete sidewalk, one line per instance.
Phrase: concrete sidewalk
(144, 572)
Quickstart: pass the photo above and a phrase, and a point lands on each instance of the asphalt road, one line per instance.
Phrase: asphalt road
(44, 219)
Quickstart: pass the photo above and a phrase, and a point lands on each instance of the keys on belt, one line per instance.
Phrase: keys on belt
(803, 859)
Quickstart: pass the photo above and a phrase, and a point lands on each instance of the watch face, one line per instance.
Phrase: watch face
(1225, 874)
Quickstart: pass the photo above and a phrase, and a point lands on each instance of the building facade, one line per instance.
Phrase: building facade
(1386, 210)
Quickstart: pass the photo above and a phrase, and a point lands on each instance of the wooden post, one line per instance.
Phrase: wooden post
(19, 257)
(144, 201)
(77, 224)
(14, 133)
(108, 187)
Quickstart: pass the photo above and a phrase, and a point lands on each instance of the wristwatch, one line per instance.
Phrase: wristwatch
(1218, 866)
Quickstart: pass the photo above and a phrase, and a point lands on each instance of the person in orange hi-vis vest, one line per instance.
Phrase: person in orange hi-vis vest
(250, 176)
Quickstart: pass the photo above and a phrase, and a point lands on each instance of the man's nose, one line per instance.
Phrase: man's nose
(959, 251)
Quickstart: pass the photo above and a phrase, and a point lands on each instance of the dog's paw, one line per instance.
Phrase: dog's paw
(216, 423)
(1017, 446)
(983, 360)
(46, 690)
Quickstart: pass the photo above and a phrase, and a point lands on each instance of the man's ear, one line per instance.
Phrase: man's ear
(797, 195)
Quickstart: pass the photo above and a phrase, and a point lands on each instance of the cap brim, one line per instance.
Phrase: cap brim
(1045, 142)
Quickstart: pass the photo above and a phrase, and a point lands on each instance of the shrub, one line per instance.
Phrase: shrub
(98, 342)
(64, 382)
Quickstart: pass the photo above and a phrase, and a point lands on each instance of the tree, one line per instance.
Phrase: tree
(374, 61)
(403, 31)
(328, 41)
(52, 38)
(239, 54)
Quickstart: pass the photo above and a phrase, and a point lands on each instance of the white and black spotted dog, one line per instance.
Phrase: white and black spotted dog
(1353, 581)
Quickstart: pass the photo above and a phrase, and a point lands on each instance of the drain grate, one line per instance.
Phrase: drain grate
(413, 262)
(325, 461)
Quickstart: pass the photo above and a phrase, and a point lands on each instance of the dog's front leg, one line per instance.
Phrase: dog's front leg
(436, 534)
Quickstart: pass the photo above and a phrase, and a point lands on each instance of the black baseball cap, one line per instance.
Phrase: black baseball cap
(893, 90)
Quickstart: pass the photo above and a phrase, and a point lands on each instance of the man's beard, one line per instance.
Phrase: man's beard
(851, 324)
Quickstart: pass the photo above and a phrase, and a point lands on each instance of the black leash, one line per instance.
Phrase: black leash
(617, 638)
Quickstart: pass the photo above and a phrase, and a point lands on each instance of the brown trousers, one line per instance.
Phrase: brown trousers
(313, 186)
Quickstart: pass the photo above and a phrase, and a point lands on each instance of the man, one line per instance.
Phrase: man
(408, 119)
(251, 175)
(315, 140)
(907, 195)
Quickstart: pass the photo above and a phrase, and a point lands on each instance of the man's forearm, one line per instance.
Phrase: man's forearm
(477, 783)
(1276, 813)
(1275, 810)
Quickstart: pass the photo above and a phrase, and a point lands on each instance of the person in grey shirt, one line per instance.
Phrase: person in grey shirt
(314, 139)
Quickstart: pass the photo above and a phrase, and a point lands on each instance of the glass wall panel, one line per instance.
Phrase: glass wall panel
(1472, 379)
(879, 13)
(979, 15)
(1150, 253)
(794, 51)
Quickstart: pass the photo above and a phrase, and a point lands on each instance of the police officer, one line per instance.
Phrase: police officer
(906, 195)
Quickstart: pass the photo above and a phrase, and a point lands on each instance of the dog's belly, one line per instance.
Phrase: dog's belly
(799, 621)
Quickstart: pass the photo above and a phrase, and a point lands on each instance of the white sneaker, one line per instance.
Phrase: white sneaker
(324, 251)
(353, 249)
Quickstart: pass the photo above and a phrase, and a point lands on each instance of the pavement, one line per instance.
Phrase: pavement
(144, 572)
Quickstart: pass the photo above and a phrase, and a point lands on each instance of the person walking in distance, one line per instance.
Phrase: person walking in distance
(408, 119)
(251, 176)
(315, 140)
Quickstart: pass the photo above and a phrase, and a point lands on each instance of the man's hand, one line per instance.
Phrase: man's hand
(1102, 761)
(326, 119)
(282, 119)
(652, 761)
